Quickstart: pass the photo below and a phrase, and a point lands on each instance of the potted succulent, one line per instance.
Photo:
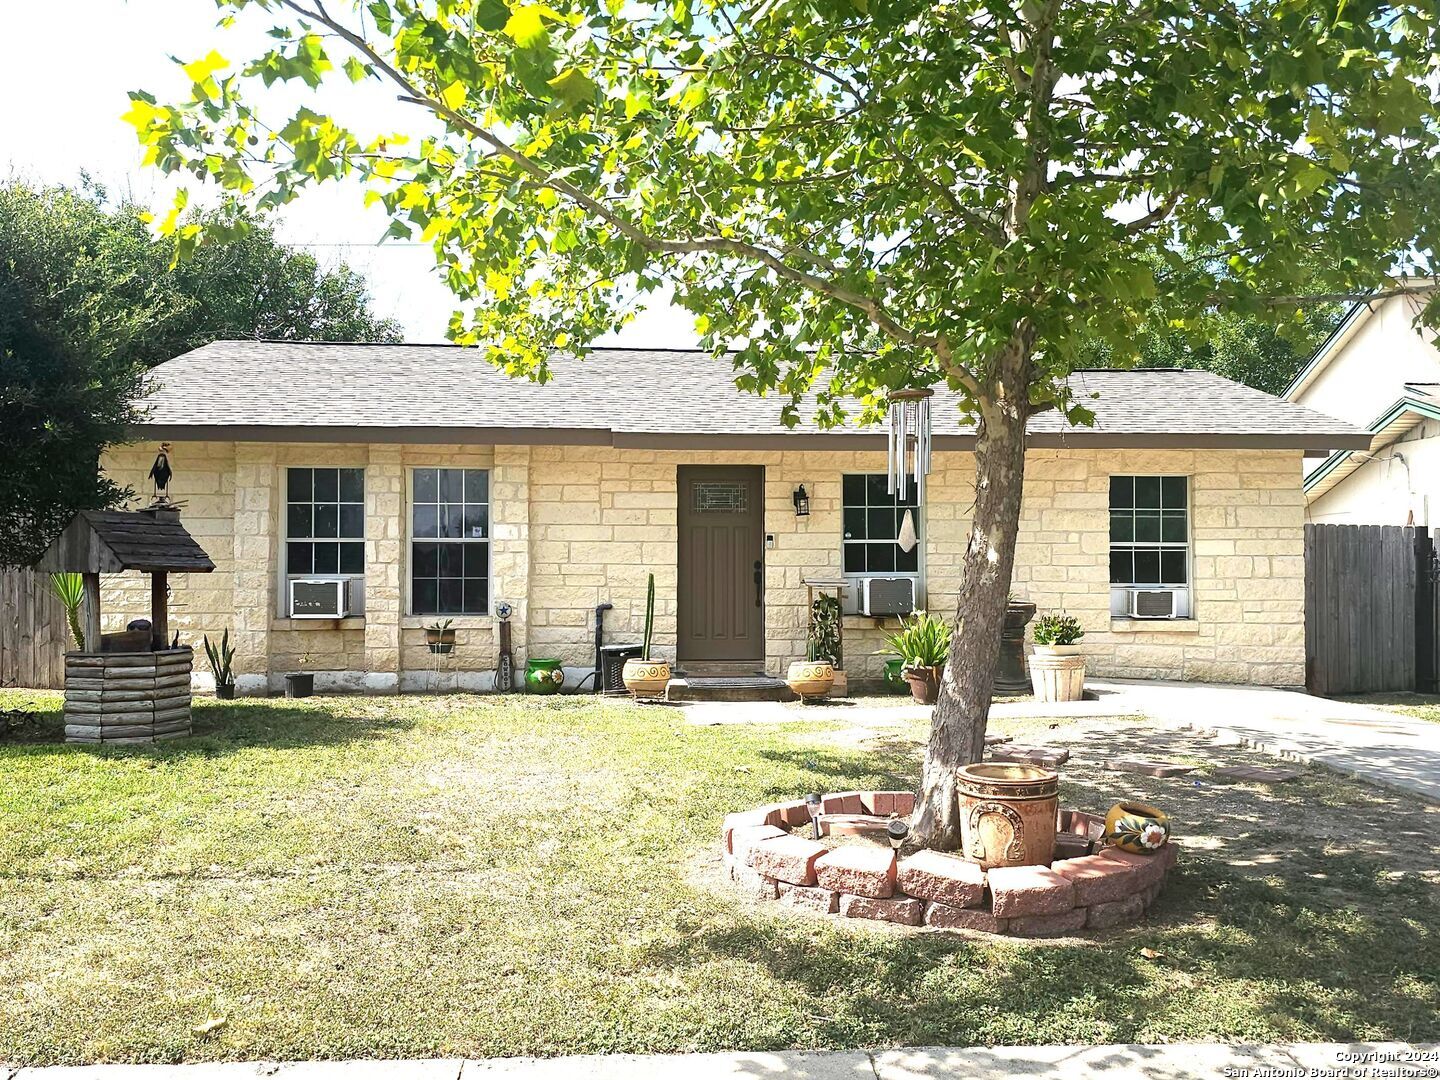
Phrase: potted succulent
(1057, 670)
(440, 636)
(923, 644)
(300, 684)
(222, 663)
(819, 673)
(646, 677)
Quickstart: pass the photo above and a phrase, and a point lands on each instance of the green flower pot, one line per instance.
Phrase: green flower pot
(894, 681)
(543, 676)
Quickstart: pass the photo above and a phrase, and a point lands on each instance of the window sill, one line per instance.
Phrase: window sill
(1154, 626)
(457, 622)
(354, 622)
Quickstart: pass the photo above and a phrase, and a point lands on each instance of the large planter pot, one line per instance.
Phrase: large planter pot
(646, 678)
(1057, 675)
(1011, 676)
(225, 691)
(543, 675)
(299, 684)
(1137, 827)
(924, 683)
(1007, 814)
(810, 678)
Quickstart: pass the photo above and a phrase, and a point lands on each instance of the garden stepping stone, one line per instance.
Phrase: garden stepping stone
(1147, 767)
(1030, 755)
(1258, 774)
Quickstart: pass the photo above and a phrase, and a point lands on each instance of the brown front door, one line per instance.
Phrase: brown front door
(721, 601)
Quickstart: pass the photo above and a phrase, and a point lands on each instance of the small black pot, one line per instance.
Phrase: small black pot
(225, 691)
(299, 684)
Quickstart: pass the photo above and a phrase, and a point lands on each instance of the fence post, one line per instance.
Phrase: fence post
(1425, 653)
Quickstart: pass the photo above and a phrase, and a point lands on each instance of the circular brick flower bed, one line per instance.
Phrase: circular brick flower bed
(852, 871)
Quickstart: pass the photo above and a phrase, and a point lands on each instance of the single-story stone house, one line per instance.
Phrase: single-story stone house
(438, 488)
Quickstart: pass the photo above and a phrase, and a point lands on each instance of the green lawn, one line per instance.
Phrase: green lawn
(1421, 706)
(467, 876)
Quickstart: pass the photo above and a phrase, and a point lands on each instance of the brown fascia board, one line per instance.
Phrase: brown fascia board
(645, 440)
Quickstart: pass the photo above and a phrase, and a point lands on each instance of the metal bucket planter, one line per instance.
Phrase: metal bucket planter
(646, 678)
(1007, 814)
(810, 678)
(924, 683)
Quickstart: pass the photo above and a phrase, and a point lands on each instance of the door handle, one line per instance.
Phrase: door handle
(759, 578)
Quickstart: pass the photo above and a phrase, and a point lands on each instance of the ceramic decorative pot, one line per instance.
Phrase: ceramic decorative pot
(924, 683)
(1008, 814)
(543, 675)
(646, 678)
(1137, 827)
(894, 681)
(811, 678)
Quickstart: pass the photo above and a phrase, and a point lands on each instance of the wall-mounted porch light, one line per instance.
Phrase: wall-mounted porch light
(801, 501)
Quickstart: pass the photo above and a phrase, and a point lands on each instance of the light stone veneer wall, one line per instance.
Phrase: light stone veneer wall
(573, 527)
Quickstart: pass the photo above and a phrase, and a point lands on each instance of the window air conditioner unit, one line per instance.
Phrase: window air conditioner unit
(1152, 604)
(887, 596)
(319, 599)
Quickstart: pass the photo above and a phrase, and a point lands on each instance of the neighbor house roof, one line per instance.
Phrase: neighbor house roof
(1420, 402)
(648, 398)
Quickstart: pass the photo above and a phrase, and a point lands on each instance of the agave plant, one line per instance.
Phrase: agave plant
(70, 588)
(923, 641)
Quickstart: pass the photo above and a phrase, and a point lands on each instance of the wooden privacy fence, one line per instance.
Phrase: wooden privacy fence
(33, 634)
(1370, 609)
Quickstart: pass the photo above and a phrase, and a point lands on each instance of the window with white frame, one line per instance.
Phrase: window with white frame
(324, 522)
(450, 542)
(872, 518)
(1149, 536)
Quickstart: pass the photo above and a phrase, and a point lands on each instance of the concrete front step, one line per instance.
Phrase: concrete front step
(757, 687)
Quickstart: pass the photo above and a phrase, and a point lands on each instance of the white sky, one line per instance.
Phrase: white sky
(61, 115)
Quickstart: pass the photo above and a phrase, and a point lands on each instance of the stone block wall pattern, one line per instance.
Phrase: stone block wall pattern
(575, 526)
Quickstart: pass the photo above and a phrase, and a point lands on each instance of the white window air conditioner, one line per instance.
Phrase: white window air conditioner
(1152, 603)
(319, 598)
(887, 596)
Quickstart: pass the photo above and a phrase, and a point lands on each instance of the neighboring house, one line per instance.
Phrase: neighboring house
(438, 487)
(1379, 371)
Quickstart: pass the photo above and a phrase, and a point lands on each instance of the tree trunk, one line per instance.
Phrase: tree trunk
(957, 727)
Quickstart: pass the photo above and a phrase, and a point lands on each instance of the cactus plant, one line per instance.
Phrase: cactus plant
(649, 617)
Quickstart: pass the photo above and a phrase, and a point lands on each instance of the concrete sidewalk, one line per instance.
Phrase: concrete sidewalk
(1174, 1061)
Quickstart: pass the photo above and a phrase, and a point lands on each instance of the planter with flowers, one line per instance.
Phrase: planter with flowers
(1057, 670)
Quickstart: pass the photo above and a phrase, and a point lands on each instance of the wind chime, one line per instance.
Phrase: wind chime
(909, 453)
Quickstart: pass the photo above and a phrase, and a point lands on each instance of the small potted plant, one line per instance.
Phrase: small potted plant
(1057, 670)
(646, 677)
(816, 676)
(300, 684)
(222, 661)
(923, 644)
(440, 636)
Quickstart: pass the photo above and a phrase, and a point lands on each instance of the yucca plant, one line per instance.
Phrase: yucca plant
(70, 588)
(923, 641)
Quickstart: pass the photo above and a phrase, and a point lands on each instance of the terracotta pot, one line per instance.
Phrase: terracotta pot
(1057, 676)
(1137, 827)
(810, 678)
(646, 678)
(924, 683)
(1007, 814)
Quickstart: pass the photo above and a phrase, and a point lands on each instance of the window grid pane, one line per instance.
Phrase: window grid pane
(1149, 531)
(324, 508)
(871, 519)
(450, 542)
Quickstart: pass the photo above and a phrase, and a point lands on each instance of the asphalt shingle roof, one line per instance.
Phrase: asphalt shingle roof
(645, 397)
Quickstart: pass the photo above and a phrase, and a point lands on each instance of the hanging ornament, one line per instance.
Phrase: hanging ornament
(907, 538)
(909, 456)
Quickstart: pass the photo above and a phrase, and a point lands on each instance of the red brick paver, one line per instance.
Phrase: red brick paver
(787, 858)
(946, 917)
(933, 875)
(902, 909)
(863, 871)
(1029, 890)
